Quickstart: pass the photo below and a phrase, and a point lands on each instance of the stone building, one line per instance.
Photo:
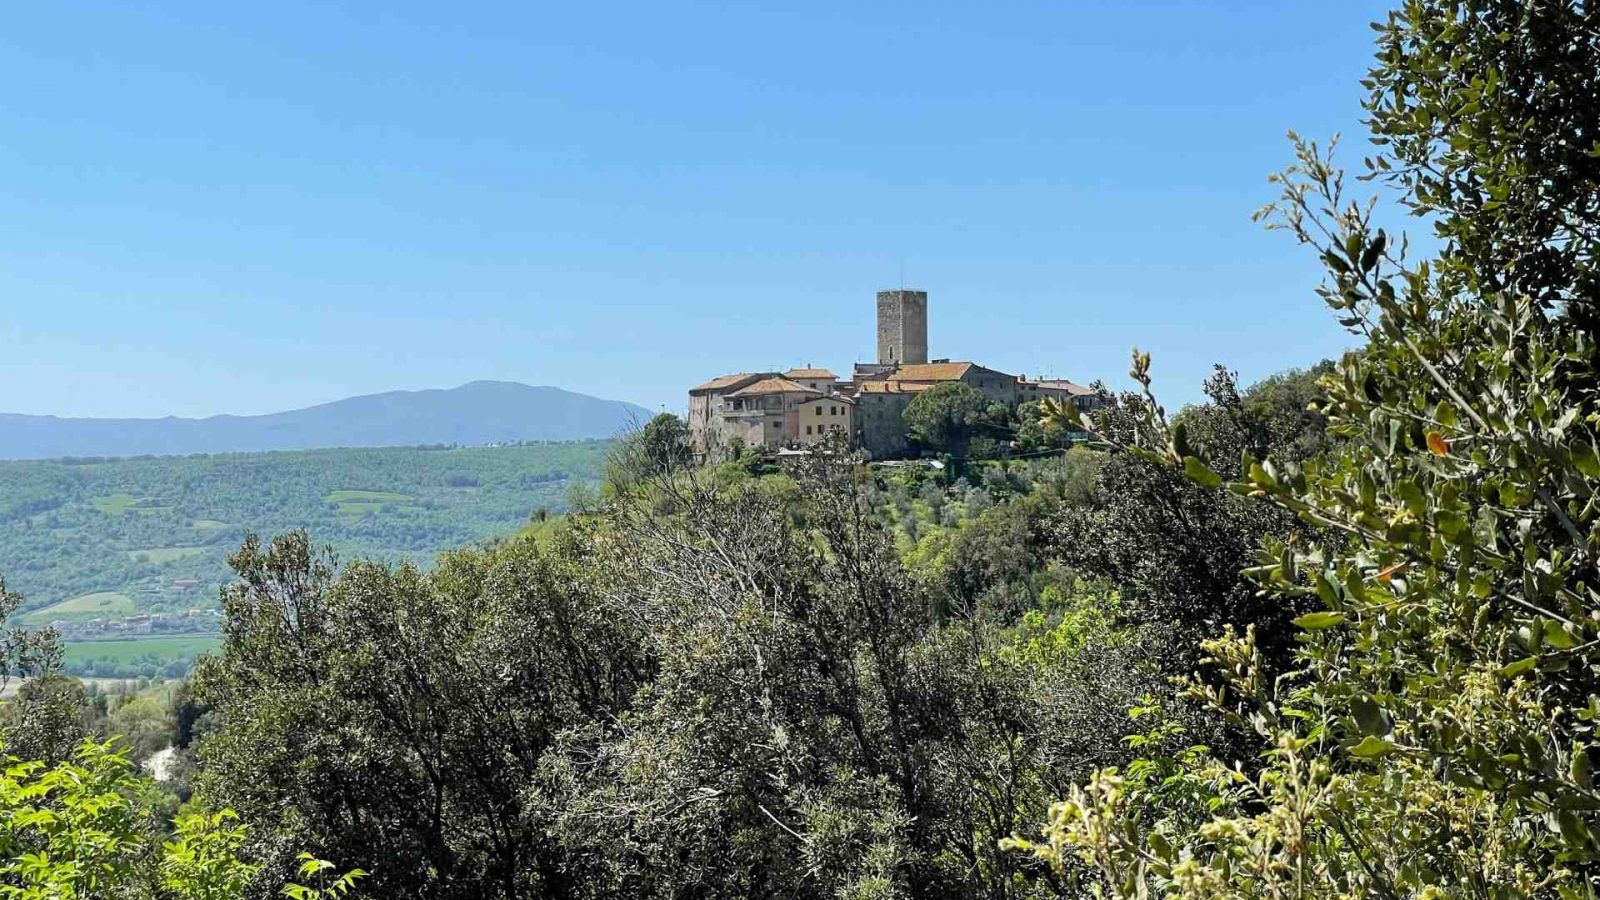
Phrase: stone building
(816, 379)
(902, 327)
(758, 410)
(707, 427)
(1058, 389)
(880, 422)
(998, 387)
(801, 407)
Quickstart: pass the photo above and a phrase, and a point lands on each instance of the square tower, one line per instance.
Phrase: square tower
(902, 327)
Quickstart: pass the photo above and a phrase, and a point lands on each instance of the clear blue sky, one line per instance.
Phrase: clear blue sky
(229, 207)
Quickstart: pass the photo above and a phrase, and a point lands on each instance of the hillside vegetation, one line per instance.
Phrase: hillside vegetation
(104, 538)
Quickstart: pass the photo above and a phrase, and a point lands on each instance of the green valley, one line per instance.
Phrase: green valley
(105, 539)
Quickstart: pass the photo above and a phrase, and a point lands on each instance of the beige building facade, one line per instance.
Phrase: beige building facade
(822, 417)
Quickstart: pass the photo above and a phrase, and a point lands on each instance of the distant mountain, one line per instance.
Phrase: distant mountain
(482, 412)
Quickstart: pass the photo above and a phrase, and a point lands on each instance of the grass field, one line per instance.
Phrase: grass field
(89, 606)
(120, 504)
(209, 525)
(115, 504)
(366, 497)
(353, 505)
(160, 555)
(130, 649)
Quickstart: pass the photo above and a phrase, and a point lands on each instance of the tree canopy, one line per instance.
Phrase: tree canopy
(947, 417)
(1436, 735)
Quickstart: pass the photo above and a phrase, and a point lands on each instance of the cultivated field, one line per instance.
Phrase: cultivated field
(131, 649)
(99, 605)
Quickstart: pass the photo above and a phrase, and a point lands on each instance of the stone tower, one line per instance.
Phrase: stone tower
(902, 327)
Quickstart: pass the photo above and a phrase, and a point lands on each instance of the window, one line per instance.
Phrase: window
(808, 429)
(819, 409)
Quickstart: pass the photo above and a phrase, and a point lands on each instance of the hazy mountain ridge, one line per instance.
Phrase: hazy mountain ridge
(481, 412)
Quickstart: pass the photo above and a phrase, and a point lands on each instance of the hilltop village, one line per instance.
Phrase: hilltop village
(798, 408)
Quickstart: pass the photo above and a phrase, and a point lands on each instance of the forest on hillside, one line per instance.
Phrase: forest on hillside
(1335, 634)
(152, 534)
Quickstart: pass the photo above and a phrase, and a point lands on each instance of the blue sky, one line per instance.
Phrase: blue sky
(222, 207)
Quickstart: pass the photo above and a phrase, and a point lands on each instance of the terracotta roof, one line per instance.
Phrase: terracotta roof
(893, 387)
(727, 381)
(774, 385)
(953, 371)
(826, 398)
(809, 373)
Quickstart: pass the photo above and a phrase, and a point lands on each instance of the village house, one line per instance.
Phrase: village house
(767, 412)
(816, 379)
(707, 426)
(803, 406)
(1059, 390)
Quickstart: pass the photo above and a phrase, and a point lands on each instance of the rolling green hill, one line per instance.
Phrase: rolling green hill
(107, 539)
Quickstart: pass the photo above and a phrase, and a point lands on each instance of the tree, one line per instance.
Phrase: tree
(1438, 735)
(89, 828)
(24, 651)
(814, 727)
(665, 442)
(1277, 418)
(947, 416)
(50, 717)
(1036, 432)
(660, 447)
(146, 723)
(1175, 549)
(398, 720)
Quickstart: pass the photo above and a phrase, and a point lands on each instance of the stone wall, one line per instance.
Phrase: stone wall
(880, 426)
(902, 327)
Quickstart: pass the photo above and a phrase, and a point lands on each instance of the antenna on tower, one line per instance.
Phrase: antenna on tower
(902, 272)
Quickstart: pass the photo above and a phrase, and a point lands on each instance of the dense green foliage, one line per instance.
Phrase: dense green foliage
(722, 682)
(1174, 549)
(90, 829)
(159, 529)
(1436, 734)
(948, 417)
